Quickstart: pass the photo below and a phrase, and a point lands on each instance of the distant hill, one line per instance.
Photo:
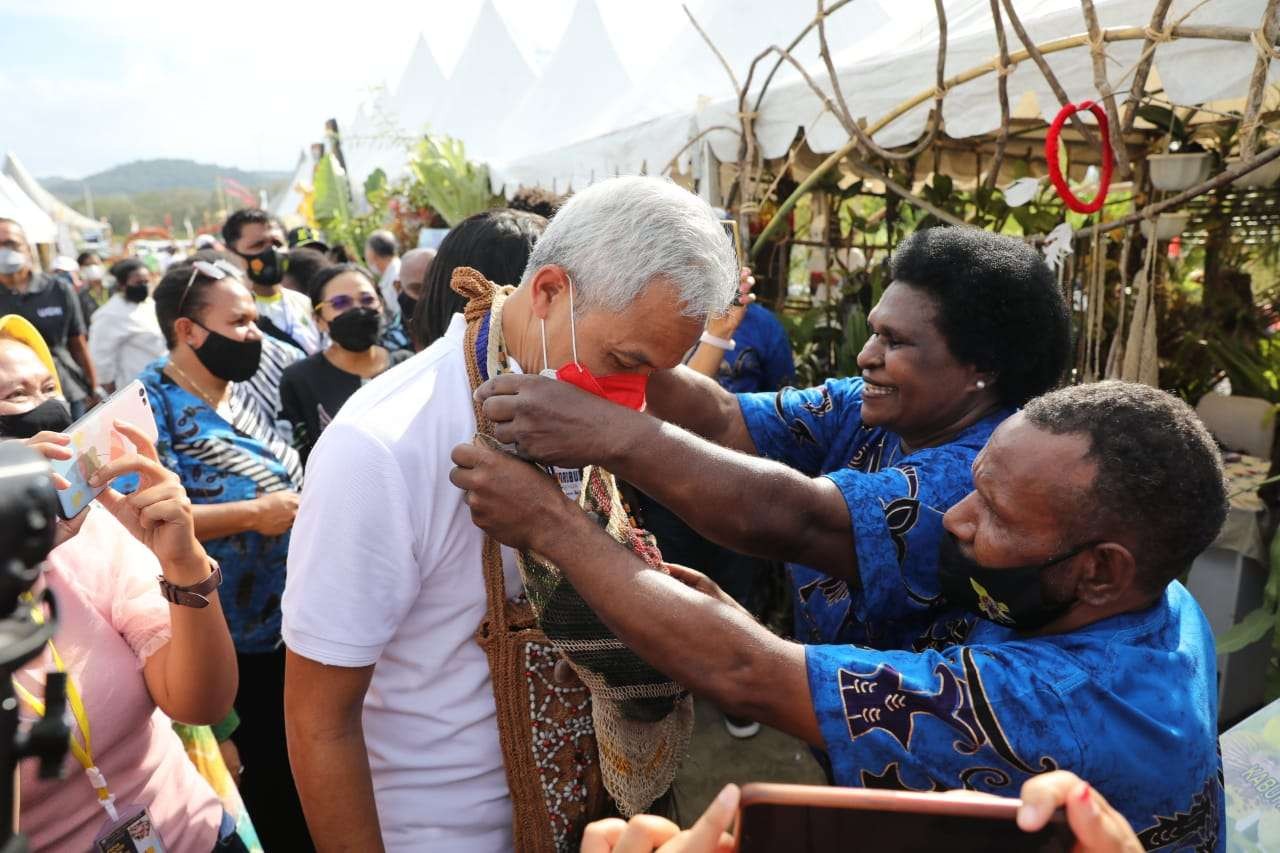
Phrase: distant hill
(156, 176)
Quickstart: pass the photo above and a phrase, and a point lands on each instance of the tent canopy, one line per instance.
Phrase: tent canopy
(18, 206)
(60, 213)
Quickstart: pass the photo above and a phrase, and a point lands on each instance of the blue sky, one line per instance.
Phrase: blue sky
(86, 85)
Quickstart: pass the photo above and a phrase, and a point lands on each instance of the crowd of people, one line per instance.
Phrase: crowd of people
(447, 540)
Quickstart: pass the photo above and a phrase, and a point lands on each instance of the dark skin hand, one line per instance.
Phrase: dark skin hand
(680, 623)
(784, 515)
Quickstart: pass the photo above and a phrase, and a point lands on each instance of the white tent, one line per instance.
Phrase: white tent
(420, 91)
(489, 81)
(884, 51)
(582, 82)
(60, 213)
(18, 206)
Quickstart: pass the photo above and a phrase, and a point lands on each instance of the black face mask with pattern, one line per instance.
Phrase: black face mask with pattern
(265, 268)
(1013, 597)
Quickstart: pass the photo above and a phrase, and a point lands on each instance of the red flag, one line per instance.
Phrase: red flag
(239, 192)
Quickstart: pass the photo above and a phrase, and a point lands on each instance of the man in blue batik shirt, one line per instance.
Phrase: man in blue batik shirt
(1062, 639)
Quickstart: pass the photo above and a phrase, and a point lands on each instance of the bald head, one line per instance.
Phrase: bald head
(414, 266)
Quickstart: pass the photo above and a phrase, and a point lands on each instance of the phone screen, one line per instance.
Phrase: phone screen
(95, 442)
(767, 827)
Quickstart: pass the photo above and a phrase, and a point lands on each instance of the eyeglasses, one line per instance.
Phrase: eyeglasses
(344, 302)
(217, 270)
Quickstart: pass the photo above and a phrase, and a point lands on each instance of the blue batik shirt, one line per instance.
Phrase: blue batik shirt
(895, 501)
(1129, 704)
(221, 462)
(761, 358)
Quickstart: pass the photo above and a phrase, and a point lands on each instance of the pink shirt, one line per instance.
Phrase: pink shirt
(111, 619)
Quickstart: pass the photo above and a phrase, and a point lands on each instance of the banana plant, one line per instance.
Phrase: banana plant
(450, 183)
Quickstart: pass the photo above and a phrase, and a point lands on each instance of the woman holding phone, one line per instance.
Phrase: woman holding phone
(128, 643)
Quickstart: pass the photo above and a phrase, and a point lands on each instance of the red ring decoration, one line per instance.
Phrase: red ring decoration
(1055, 169)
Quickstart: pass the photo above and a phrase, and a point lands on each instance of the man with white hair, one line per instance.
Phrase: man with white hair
(399, 737)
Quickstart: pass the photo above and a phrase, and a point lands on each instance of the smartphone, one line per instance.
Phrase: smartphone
(802, 818)
(731, 229)
(95, 441)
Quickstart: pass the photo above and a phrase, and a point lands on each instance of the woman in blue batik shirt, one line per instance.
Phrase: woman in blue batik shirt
(243, 480)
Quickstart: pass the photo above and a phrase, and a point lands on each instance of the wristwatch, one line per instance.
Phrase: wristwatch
(195, 595)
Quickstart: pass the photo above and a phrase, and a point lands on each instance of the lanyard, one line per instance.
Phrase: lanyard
(82, 751)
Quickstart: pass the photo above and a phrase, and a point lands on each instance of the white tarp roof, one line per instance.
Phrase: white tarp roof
(18, 206)
(884, 51)
(57, 211)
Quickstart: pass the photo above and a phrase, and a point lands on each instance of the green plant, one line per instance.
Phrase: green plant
(333, 209)
(447, 181)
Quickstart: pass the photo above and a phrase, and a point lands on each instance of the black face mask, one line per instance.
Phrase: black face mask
(356, 329)
(229, 359)
(53, 415)
(407, 306)
(136, 292)
(1013, 597)
(265, 268)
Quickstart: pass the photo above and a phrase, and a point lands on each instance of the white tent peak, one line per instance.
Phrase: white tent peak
(489, 81)
(420, 90)
(583, 79)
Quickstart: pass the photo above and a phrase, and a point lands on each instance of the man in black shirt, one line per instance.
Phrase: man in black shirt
(53, 307)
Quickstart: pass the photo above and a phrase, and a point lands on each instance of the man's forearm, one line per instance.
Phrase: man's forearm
(751, 505)
(696, 402)
(714, 649)
(323, 724)
(331, 769)
(214, 521)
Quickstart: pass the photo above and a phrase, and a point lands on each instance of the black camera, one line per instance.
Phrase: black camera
(28, 525)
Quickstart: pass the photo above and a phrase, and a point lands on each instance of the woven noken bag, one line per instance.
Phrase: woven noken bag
(642, 719)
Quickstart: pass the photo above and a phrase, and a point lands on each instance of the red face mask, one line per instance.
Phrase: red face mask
(625, 389)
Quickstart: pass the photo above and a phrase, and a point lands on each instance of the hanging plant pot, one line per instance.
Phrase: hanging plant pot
(1168, 226)
(1179, 171)
(1263, 176)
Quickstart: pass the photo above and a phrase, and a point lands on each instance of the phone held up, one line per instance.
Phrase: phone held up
(95, 442)
(803, 818)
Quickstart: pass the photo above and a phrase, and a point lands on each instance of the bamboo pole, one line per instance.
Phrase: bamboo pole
(1258, 82)
(1139, 85)
(1002, 93)
(1103, 85)
(1221, 33)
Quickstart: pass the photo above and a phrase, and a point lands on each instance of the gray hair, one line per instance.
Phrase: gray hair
(616, 237)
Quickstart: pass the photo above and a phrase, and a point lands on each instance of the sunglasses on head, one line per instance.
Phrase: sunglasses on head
(216, 270)
(344, 302)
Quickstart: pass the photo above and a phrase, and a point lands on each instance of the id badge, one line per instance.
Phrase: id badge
(134, 832)
(570, 480)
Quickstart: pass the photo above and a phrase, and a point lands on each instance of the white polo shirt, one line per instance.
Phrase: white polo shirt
(385, 567)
